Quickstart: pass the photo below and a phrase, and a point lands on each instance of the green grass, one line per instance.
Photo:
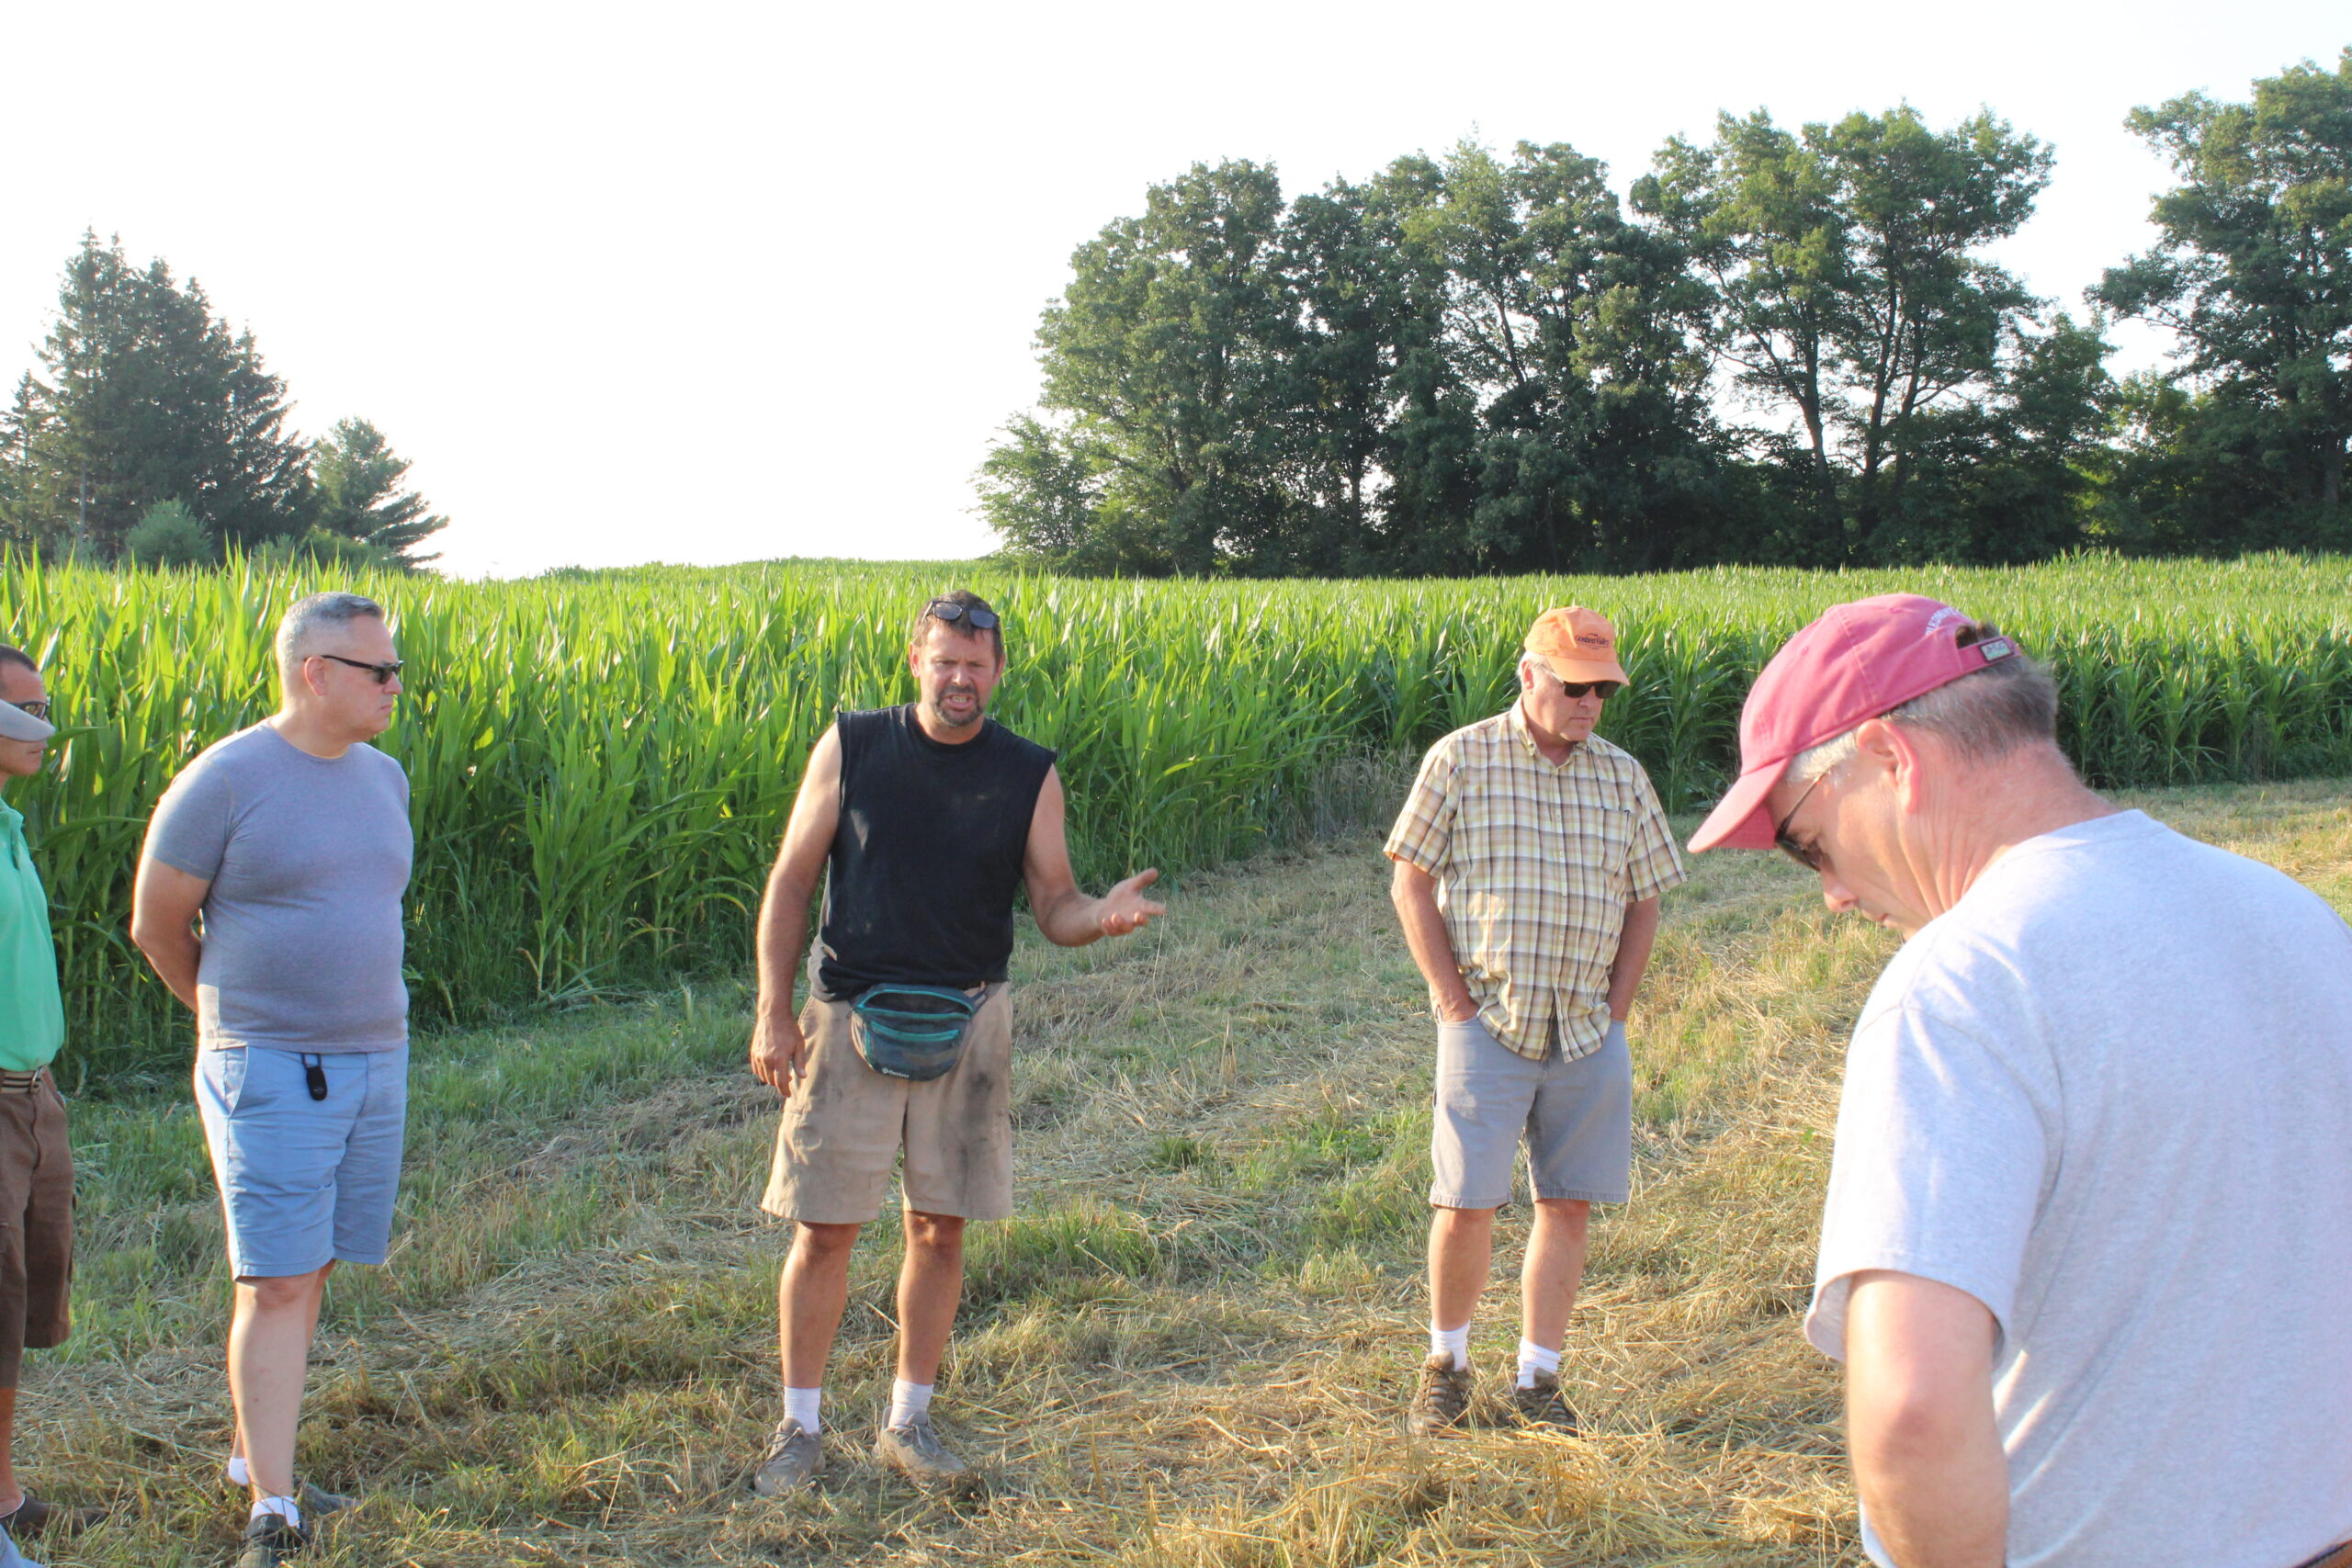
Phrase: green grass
(1187, 1349)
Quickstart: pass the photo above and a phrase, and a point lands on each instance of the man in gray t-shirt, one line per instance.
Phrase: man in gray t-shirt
(291, 841)
(2091, 1211)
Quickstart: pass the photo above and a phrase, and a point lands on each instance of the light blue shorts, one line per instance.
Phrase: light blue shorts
(304, 1182)
(1577, 1118)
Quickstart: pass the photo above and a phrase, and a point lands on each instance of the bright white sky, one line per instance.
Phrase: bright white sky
(707, 283)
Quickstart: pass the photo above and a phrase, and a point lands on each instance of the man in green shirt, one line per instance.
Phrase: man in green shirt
(36, 1165)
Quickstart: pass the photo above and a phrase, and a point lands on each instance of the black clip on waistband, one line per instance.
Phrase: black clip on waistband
(314, 1073)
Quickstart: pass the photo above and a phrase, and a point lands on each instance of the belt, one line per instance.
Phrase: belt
(22, 1083)
(2335, 1557)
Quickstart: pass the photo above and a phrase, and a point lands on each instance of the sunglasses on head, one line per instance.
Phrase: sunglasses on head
(955, 615)
(382, 672)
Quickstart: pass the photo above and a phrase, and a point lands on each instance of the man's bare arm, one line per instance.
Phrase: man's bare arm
(1414, 892)
(1068, 917)
(163, 904)
(778, 1048)
(1927, 1458)
(1633, 944)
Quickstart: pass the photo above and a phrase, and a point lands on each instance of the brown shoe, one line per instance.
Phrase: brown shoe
(1541, 1405)
(1443, 1399)
(34, 1518)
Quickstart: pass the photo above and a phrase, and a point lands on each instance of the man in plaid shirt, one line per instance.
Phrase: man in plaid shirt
(1529, 862)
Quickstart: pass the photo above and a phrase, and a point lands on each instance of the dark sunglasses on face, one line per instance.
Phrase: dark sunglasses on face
(1601, 689)
(1806, 855)
(953, 613)
(37, 709)
(382, 672)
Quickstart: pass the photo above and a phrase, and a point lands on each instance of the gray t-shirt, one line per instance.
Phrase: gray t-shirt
(2109, 1095)
(308, 858)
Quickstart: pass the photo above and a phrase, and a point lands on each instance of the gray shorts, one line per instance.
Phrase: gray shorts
(1577, 1117)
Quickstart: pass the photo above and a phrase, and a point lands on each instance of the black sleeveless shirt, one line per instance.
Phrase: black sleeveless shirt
(928, 854)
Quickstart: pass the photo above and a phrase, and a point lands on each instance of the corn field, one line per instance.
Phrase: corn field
(601, 765)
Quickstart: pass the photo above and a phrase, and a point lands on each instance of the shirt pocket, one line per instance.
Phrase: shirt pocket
(1600, 840)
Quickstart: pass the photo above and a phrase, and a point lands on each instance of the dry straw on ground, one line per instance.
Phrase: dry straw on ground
(1189, 1350)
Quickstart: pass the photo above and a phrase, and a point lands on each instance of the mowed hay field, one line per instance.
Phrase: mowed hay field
(1188, 1350)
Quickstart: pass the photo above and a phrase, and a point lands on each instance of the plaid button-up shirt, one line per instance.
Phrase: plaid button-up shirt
(1534, 866)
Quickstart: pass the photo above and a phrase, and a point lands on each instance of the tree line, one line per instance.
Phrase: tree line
(1787, 345)
(151, 433)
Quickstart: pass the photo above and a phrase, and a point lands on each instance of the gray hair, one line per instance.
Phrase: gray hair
(307, 620)
(1985, 714)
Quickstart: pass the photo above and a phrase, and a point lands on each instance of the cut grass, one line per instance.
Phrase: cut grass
(1188, 1350)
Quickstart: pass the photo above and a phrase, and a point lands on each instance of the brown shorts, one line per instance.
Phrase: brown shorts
(36, 1224)
(846, 1124)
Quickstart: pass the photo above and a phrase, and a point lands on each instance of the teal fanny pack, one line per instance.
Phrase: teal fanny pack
(914, 1033)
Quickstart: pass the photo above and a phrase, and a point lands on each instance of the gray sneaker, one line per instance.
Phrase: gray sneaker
(1543, 1407)
(318, 1503)
(1440, 1401)
(915, 1451)
(795, 1456)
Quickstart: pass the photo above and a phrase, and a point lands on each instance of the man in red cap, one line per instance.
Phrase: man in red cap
(2090, 1213)
(1529, 862)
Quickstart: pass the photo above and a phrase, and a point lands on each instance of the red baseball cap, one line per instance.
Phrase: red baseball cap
(1856, 662)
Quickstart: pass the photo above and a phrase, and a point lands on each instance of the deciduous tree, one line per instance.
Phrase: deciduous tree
(2253, 273)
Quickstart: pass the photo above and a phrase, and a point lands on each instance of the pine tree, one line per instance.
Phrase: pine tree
(359, 493)
(143, 397)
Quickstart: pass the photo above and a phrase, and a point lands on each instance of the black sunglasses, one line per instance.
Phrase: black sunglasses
(37, 709)
(1606, 689)
(951, 611)
(383, 673)
(1806, 855)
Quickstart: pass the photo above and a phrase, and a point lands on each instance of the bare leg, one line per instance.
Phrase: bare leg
(1462, 1245)
(236, 1428)
(269, 1353)
(810, 1295)
(1547, 1285)
(931, 1284)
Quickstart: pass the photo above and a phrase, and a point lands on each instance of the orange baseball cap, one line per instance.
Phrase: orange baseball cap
(1578, 643)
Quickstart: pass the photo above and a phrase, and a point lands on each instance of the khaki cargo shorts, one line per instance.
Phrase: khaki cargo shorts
(846, 1125)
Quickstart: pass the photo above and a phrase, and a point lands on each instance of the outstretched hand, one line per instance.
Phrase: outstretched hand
(1125, 909)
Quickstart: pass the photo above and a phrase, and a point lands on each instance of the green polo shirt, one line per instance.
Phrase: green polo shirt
(32, 1014)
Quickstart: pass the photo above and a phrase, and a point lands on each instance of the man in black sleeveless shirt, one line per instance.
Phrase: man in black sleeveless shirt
(928, 820)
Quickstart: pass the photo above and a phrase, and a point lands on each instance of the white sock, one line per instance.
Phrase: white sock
(1535, 1358)
(909, 1402)
(238, 1476)
(800, 1405)
(279, 1506)
(1452, 1343)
